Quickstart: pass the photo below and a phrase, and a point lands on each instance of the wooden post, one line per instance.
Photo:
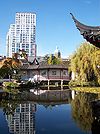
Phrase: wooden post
(48, 84)
(61, 84)
(73, 94)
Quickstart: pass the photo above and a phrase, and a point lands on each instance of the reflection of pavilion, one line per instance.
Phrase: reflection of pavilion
(50, 95)
(23, 119)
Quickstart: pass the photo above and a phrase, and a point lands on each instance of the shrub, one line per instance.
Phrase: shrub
(10, 84)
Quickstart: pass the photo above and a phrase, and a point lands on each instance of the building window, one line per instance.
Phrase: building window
(17, 49)
(18, 45)
(13, 49)
(27, 50)
(23, 45)
(53, 72)
(13, 45)
(27, 45)
(43, 73)
(65, 72)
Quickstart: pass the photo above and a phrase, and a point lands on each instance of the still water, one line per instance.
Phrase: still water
(49, 112)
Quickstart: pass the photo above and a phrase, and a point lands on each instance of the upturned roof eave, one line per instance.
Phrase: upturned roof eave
(84, 27)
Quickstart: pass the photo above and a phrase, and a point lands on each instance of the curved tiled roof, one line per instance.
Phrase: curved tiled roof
(29, 67)
(90, 33)
(34, 67)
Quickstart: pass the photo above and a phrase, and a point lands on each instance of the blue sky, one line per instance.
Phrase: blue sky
(55, 26)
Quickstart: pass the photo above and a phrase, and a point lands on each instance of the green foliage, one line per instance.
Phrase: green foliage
(8, 106)
(85, 63)
(4, 71)
(52, 60)
(10, 84)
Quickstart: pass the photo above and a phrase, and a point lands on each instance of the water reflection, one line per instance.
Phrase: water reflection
(96, 115)
(83, 111)
(22, 120)
(21, 110)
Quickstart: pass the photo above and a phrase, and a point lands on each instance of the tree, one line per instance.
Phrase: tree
(96, 63)
(52, 60)
(8, 66)
(85, 63)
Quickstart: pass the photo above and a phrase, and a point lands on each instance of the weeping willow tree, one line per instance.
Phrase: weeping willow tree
(96, 64)
(85, 63)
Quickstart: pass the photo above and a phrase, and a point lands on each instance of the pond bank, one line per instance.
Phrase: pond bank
(86, 89)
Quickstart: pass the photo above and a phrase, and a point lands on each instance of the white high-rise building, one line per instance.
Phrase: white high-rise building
(22, 34)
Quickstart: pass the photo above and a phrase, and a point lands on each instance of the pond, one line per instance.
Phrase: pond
(49, 112)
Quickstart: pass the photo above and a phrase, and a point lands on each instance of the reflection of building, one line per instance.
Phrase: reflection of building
(51, 96)
(23, 119)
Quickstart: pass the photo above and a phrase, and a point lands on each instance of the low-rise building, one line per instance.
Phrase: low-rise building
(45, 73)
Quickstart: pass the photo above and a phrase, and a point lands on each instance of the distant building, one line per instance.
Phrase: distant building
(22, 34)
(57, 53)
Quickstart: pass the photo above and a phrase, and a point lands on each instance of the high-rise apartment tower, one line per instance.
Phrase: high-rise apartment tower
(22, 34)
